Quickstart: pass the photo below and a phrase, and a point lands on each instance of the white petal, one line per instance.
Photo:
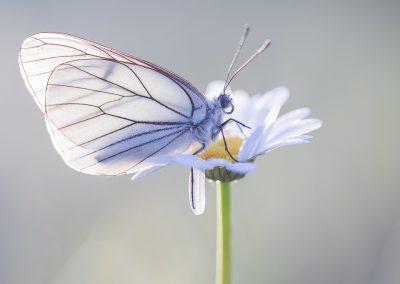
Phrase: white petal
(262, 133)
(192, 161)
(243, 106)
(215, 88)
(270, 119)
(289, 142)
(265, 109)
(250, 145)
(241, 98)
(299, 128)
(240, 168)
(305, 137)
(185, 160)
(197, 194)
(276, 97)
(292, 116)
(146, 172)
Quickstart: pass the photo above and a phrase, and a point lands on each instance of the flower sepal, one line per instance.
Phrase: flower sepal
(223, 175)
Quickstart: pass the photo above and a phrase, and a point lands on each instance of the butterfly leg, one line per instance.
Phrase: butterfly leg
(238, 123)
(226, 146)
(201, 149)
(234, 120)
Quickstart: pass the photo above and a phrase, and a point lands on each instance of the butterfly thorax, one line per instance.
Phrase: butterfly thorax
(208, 129)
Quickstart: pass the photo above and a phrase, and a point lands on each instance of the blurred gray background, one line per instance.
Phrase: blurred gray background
(325, 213)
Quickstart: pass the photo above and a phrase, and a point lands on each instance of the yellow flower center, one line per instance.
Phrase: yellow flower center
(217, 149)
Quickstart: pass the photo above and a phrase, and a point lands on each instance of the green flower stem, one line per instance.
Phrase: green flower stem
(223, 271)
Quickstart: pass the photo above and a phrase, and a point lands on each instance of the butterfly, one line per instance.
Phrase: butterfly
(108, 112)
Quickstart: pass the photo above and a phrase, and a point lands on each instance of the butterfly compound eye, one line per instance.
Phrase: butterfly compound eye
(226, 103)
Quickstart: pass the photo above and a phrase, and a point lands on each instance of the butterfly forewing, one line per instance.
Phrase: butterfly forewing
(41, 53)
(108, 112)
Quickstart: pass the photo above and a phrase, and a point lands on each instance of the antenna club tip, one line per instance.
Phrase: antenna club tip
(264, 46)
(246, 31)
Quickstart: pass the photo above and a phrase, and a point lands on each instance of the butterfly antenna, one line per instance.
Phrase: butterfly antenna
(236, 55)
(258, 52)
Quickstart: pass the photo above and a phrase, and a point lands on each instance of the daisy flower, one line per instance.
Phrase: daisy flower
(264, 132)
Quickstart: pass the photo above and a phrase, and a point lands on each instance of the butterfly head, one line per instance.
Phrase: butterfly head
(226, 104)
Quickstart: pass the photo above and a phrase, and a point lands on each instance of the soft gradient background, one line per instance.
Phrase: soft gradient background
(324, 213)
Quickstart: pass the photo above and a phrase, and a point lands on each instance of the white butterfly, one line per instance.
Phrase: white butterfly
(108, 112)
